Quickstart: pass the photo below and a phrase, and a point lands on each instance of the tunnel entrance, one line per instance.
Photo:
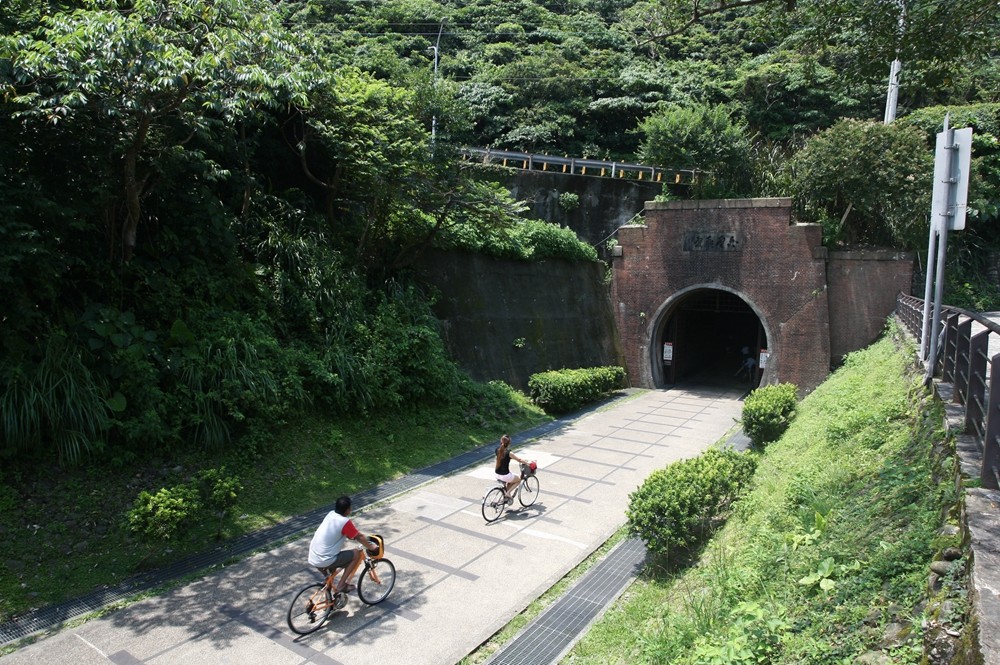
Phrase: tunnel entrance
(706, 338)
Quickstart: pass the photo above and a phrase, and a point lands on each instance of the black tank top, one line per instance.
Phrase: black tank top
(503, 463)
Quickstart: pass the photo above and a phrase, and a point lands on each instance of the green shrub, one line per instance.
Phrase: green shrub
(541, 240)
(569, 201)
(218, 492)
(707, 138)
(561, 391)
(860, 201)
(526, 239)
(754, 635)
(767, 412)
(160, 516)
(676, 507)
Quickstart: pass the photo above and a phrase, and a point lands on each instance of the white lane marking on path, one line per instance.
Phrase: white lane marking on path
(429, 504)
(103, 655)
(531, 531)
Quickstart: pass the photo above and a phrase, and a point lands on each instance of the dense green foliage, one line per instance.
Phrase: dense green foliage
(767, 412)
(868, 184)
(732, 88)
(205, 229)
(675, 508)
(830, 546)
(564, 390)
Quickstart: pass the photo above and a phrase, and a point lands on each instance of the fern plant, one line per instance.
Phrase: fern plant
(58, 403)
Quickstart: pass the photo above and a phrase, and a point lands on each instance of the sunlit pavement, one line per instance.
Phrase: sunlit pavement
(459, 579)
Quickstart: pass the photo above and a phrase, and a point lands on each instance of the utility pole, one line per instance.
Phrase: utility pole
(892, 95)
(437, 50)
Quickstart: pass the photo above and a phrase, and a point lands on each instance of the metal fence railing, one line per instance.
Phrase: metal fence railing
(581, 166)
(966, 361)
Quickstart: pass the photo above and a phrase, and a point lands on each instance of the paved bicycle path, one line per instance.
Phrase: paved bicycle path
(459, 579)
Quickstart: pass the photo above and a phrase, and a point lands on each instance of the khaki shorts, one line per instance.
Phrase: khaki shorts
(339, 561)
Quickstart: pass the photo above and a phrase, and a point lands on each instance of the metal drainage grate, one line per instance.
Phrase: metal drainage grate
(54, 615)
(551, 635)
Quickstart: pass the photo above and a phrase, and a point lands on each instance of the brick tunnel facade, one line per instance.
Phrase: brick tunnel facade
(702, 282)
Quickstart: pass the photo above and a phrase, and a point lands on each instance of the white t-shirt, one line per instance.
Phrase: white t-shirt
(329, 538)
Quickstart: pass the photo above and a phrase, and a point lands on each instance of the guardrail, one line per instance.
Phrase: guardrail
(581, 166)
(964, 360)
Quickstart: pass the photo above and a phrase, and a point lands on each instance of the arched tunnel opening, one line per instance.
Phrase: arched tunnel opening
(710, 337)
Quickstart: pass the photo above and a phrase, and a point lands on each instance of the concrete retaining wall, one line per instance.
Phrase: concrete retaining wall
(507, 320)
(605, 203)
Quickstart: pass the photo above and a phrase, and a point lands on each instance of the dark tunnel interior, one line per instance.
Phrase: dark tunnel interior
(706, 339)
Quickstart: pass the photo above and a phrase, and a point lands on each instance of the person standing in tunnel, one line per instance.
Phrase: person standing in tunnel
(749, 364)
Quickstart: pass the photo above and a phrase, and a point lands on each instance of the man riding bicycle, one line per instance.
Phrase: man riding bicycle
(333, 532)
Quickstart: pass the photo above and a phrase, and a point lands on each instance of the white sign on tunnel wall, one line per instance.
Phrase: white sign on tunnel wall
(712, 241)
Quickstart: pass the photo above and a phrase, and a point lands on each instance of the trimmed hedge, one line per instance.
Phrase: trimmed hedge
(767, 413)
(676, 507)
(564, 390)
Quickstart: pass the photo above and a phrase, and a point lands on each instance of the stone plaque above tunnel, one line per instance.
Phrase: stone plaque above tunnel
(713, 241)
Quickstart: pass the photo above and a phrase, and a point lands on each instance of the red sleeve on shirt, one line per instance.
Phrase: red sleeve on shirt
(350, 531)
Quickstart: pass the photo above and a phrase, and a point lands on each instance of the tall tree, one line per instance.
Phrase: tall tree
(144, 77)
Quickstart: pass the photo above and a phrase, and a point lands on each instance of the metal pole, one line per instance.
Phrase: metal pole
(925, 322)
(938, 294)
(941, 255)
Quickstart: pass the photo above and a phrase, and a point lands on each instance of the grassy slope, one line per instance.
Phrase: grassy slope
(61, 531)
(853, 483)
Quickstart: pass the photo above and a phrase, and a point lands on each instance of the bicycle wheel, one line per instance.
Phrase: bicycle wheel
(376, 581)
(303, 617)
(493, 504)
(529, 491)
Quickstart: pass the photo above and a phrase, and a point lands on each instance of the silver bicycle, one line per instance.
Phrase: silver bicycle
(496, 499)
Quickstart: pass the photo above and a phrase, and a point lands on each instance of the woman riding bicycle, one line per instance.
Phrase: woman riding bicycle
(502, 467)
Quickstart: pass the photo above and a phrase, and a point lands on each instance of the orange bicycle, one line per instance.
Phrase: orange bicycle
(312, 605)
